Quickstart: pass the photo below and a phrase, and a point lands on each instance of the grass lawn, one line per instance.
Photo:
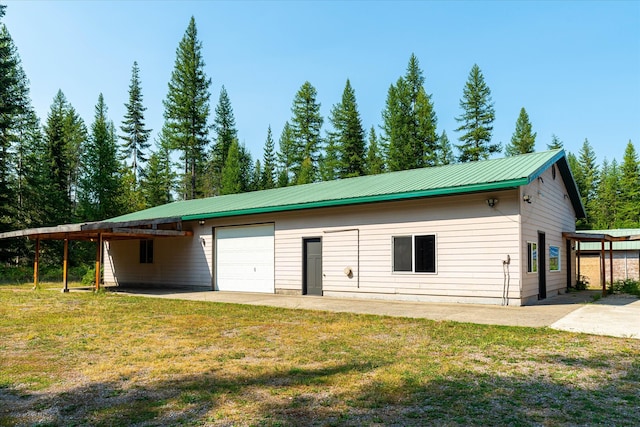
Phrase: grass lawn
(107, 360)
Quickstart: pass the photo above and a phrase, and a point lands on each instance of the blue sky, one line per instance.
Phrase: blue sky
(574, 66)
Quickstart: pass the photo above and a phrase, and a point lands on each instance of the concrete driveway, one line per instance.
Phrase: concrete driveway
(616, 315)
(576, 312)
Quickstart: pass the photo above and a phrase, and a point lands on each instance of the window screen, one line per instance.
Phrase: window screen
(402, 253)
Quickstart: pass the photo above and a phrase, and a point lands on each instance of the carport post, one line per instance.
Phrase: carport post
(64, 266)
(603, 275)
(35, 264)
(611, 262)
(98, 261)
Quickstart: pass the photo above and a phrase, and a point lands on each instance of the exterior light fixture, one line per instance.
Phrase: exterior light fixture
(527, 198)
(492, 202)
(201, 222)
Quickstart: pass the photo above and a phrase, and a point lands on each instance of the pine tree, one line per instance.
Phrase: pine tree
(306, 123)
(476, 120)
(256, 179)
(329, 162)
(410, 122)
(158, 178)
(630, 188)
(606, 213)
(225, 132)
(187, 111)
(286, 155)
(65, 134)
(556, 144)
(246, 168)
(347, 139)
(375, 161)
(232, 171)
(18, 127)
(269, 160)
(587, 177)
(445, 153)
(100, 183)
(307, 173)
(523, 140)
(136, 136)
(224, 126)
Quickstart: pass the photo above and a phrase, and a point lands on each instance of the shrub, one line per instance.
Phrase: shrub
(582, 283)
(627, 286)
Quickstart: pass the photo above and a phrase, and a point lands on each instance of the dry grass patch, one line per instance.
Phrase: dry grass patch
(105, 359)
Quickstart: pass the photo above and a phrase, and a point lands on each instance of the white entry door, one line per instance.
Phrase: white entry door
(245, 258)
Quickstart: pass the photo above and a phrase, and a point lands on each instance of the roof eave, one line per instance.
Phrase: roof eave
(502, 185)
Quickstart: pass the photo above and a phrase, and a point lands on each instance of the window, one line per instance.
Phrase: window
(554, 258)
(414, 254)
(532, 264)
(146, 251)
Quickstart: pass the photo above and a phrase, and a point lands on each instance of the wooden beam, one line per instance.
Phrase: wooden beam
(35, 265)
(65, 263)
(150, 232)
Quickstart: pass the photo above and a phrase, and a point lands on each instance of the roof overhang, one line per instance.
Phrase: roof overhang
(146, 229)
(591, 237)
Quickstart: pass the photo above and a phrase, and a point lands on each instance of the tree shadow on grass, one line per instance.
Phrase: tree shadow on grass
(305, 396)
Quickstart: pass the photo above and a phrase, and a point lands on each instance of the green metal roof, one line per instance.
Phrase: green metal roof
(484, 175)
(630, 245)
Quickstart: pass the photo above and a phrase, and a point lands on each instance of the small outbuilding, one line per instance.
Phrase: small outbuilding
(482, 232)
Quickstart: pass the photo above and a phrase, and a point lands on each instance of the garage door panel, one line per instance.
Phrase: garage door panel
(245, 258)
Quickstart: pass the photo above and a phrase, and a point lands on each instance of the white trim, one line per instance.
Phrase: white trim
(413, 254)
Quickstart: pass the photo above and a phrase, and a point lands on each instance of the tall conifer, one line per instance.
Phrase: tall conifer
(375, 159)
(269, 163)
(135, 134)
(523, 140)
(187, 111)
(476, 121)
(347, 136)
(306, 123)
(100, 182)
(409, 122)
(286, 156)
(630, 188)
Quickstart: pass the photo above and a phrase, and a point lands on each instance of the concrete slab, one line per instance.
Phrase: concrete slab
(617, 316)
(542, 314)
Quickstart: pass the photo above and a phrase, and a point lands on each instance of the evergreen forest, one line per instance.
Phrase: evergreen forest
(60, 169)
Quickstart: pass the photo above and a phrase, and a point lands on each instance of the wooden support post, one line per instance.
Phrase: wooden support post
(578, 259)
(603, 276)
(65, 263)
(35, 264)
(98, 261)
(611, 262)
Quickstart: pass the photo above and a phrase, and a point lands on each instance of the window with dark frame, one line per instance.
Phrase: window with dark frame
(415, 254)
(146, 251)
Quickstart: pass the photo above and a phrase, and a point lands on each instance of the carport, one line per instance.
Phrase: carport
(578, 237)
(97, 232)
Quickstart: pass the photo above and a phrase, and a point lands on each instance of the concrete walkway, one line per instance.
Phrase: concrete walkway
(570, 312)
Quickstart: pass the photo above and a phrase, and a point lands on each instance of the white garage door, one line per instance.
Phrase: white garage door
(245, 258)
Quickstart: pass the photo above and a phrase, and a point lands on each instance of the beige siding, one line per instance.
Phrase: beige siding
(177, 261)
(551, 212)
(472, 240)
